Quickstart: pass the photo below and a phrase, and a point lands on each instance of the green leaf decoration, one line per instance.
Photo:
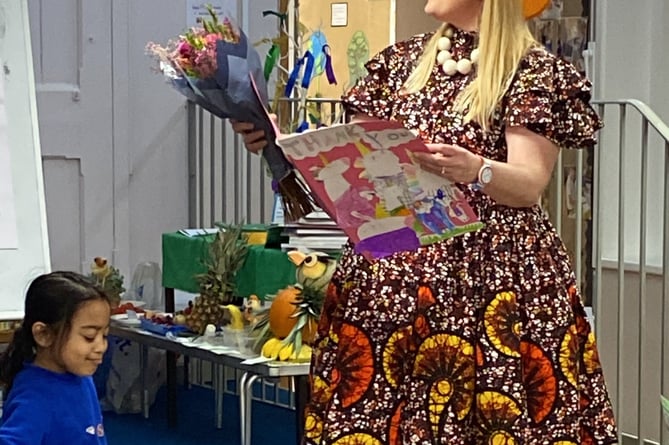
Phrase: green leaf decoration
(357, 55)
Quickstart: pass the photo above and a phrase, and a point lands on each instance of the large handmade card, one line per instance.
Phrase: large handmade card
(365, 177)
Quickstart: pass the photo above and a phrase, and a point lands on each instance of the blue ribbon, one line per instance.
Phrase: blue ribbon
(304, 126)
(308, 69)
(308, 61)
(293, 78)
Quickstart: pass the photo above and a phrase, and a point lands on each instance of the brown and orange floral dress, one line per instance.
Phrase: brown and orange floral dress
(480, 339)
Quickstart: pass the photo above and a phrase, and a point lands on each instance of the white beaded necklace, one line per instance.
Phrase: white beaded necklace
(445, 58)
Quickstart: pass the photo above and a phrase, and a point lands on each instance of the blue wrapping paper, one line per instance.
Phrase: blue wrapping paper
(230, 94)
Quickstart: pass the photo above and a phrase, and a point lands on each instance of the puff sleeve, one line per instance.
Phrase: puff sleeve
(375, 93)
(550, 97)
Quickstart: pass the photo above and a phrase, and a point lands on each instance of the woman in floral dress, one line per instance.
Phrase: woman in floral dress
(480, 339)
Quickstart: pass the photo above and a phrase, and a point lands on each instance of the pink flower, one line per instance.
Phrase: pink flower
(185, 49)
(205, 63)
(211, 39)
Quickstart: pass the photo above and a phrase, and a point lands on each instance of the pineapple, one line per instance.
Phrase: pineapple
(108, 278)
(227, 253)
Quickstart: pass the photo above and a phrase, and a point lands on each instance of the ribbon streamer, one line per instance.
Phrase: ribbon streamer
(270, 60)
(304, 126)
(292, 79)
(308, 61)
(329, 71)
(308, 69)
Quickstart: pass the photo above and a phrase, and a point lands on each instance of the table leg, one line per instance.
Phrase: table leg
(218, 394)
(187, 372)
(246, 419)
(301, 399)
(144, 363)
(242, 406)
(171, 359)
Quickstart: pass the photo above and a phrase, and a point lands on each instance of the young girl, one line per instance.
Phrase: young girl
(47, 367)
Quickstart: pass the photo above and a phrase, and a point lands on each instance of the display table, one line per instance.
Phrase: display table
(220, 358)
(264, 272)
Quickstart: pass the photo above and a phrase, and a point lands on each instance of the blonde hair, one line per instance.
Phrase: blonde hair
(504, 39)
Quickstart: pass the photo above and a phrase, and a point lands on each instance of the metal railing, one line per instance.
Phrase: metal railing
(591, 204)
(631, 263)
(227, 183)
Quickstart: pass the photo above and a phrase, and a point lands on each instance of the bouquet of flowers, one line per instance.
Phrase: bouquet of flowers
(214, 66)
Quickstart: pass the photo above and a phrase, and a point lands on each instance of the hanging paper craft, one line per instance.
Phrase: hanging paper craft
(315, 46)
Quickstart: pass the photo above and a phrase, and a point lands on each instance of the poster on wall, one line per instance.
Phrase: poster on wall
(8, 235)
(198, 8)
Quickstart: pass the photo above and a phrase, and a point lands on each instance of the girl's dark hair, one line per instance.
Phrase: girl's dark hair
(52, 299)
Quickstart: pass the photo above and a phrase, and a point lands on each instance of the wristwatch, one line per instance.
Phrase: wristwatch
(484, 176)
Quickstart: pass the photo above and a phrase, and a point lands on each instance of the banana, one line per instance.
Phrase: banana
(304, 355)
(237, 318)
(286, 352)
(271, 348)
(276, 350)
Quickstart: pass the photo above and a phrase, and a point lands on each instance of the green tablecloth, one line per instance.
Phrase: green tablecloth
(264, 272)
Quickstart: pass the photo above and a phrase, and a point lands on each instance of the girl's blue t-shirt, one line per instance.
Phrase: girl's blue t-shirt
(45, 407)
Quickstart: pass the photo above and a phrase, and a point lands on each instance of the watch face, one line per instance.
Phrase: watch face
(486, 175)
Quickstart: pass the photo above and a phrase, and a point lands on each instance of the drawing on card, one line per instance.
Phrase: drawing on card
(365, 177)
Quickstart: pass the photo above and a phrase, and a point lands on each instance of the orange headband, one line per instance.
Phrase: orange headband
(532, 8)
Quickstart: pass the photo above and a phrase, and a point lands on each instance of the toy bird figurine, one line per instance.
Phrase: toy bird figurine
(101, 270)
(314, 270)
(252, 308)
(289, 325)
(108, 278)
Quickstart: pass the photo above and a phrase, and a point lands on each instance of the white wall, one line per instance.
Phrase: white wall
(155, 138)
(114, 133)
(632, 62)
(157, 124)
(659, 70)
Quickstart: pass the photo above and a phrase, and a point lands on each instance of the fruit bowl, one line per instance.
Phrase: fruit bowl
(240, 339)
(245, 343)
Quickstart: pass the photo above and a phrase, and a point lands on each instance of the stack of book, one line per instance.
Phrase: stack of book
(316, 232)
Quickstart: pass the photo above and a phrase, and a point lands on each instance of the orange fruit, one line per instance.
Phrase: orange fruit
(283, 307)
(281, 320)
